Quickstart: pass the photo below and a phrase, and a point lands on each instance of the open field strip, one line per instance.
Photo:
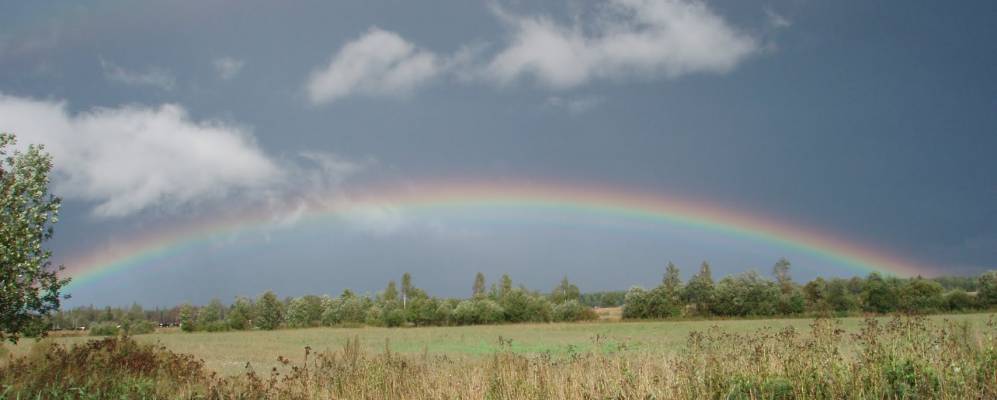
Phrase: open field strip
(228, 352)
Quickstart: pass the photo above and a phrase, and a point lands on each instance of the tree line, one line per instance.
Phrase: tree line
(742, 295)
(751, 294)
(406, 305)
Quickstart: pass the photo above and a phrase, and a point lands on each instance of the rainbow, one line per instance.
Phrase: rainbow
(471, 196)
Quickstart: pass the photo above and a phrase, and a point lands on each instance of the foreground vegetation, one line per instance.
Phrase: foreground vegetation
(908, 357)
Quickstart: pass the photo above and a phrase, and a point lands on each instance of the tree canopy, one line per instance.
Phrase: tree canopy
(29, 285)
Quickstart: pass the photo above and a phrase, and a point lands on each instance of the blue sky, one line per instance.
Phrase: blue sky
(874, 121)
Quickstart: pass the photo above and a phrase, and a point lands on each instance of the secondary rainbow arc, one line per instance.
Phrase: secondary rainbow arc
(440, 197)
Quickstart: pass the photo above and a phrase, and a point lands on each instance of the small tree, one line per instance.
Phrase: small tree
(188, 318)
(297, 313)
(816, 294)
(29, 285)
(241, 314)
(635, 303)
(839, 298)
(781, 272)
(478, 290)
(506, 285)
(986, 294)
(572, 310)
(672, 281)
(565, 291)
(407, 288)
(270, 311)
(878, 294)
(390, 292)
(212, 312)
(959, 300)
(700, 290)
(920, 295)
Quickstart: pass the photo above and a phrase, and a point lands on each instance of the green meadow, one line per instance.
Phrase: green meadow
(229, 352)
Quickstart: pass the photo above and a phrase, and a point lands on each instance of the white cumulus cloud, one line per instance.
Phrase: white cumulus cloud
(380, 63)
(624, 39)
(132, 158)
(644, 38)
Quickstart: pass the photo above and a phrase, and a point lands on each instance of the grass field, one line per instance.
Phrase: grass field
(228, 352)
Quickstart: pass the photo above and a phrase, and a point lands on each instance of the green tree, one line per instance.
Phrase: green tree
(565, 291)
(478, 290)
(572, 310)
(878, 294)
(297, 313)
(212, 312)
(478, 311)
(700, 291)
(270, 311)
(521, 305)
(661, 303)
(986, 291)
(920, 295)
(816, 294)
(354, 309)
(29, 285)
(746, 294)
(390, 293)
(444, 313)
(839, 297)
(506, 285)
(635, 303)
(407, 288)
(672, 281)
(241, 313)
(782, 278)
(422, 311)
(188, 318)
(959, 300)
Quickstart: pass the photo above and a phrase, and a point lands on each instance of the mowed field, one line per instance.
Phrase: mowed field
(228, 352)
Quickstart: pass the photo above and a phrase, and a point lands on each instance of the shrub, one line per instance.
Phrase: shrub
(522, 306)
(661, 303)
(105, 368)
(572, 310)
(374, 316)
(745, 294)
(444, 313)
(332, 312)
(354, 309)
(393, 317)
(104, 329)
(921, 295)
(478, 311)
(959, 300)
(137, 327)
(987, 289)
(635, 303)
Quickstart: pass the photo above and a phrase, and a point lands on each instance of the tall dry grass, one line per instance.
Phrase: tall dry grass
(904, 358)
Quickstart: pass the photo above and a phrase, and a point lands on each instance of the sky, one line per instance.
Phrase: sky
(874, 123)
